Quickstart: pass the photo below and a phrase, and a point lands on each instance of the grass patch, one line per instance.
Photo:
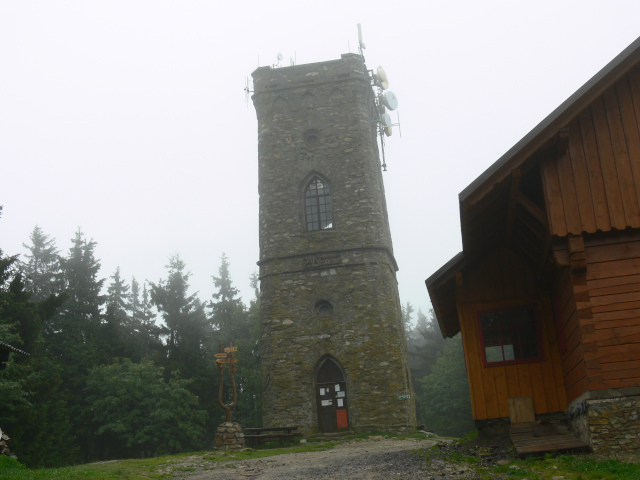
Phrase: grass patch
(569, 467)
(148, 468)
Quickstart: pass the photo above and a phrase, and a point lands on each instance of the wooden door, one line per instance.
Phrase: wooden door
(331, 396)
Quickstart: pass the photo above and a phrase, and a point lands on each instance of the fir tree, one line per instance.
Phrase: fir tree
(43, 275)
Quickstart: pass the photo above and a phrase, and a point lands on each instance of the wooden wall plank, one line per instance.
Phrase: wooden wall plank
(513, 382)
(633, 365)
(614, 383)
(608, 166)
(581, 176)
(613, 281)
(471, 345)
(502, 390)
(555, 207)
(634, 87)
(524, 377)
(617, 268)
(615, 289)
(568, 194)
(504, 280)
(616, 307)
(575, 375)
(621, 159)
(490, 394)
(623, 340)
(613, 356)
(623, 315)
(627, 334)
(613, 251)
(631, 130)
(633, 296)
(540, 385)
(596, 182)
(577, 389)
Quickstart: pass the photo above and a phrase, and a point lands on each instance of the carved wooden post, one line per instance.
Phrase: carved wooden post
(229, 435)
(222, 358)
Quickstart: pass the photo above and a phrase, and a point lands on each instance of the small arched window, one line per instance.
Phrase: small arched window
(317, 205)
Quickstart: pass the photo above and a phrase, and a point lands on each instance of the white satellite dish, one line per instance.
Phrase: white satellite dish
(389, 100)
(280, 57)
(385, 119)
(382, 79)
(388, 131)
(382, 75)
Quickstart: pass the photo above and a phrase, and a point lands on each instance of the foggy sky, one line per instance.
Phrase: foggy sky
(128, 118)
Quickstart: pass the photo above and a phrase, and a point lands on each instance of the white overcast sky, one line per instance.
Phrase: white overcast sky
(128, 118)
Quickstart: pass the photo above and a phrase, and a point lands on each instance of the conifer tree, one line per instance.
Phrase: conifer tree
(234, 323)
(31, 410)
(183, 314)
(117, 333)
(42, 272)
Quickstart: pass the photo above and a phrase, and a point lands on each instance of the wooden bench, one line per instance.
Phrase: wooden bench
(258, 436)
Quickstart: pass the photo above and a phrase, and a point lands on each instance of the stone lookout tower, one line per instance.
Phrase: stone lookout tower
(334, 355)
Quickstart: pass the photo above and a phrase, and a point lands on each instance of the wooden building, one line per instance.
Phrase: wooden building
(546, 291)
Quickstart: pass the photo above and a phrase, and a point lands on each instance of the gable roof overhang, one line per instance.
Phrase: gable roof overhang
(488, 204)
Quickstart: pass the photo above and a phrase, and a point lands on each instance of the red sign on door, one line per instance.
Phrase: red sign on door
(341, 419)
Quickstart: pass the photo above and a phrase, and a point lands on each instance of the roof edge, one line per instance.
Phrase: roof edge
(562, 114)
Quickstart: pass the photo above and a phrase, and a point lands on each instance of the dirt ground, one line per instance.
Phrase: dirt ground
(377, 458)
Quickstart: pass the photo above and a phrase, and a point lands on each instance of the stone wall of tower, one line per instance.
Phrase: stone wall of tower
(319, 119)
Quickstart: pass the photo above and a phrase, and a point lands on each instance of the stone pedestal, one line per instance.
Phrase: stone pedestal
(229, 437)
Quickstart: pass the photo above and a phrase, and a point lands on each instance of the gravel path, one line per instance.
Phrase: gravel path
(372, 459)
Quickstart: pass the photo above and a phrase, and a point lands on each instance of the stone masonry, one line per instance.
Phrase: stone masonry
(319, 120)
(610, 425)
(229, 437)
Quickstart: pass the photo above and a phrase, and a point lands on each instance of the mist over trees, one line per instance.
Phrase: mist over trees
(126, 368)
(439, 376)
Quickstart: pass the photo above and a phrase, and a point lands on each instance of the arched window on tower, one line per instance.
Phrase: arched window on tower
(317, 205)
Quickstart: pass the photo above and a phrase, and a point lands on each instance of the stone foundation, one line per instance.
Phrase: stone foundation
(609, 425)
(229, 437)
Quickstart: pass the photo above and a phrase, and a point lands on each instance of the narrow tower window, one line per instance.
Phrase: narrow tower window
(317, 205)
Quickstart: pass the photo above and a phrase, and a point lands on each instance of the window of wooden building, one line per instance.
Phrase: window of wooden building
(509, 336)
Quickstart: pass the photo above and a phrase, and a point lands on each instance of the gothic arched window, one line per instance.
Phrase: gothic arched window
(317, 205)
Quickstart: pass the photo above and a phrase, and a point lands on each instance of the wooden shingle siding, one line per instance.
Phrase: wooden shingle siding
(595, 186)
(503, 280)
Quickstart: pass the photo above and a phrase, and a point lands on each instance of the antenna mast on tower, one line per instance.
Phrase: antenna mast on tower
(385, 100)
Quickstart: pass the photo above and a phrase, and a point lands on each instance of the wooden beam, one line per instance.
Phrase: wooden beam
(535, 211)
(516, 177)
(577, 255)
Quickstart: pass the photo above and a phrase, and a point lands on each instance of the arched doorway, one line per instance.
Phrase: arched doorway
(331, 397)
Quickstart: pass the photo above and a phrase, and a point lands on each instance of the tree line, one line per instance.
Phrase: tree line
(126, 369)
(116, 369)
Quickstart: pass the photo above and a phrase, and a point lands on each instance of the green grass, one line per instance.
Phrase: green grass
(569, 467)
(148, 468)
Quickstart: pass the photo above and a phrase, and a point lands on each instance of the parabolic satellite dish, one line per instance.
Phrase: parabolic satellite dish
(383, 80)
(385, 119)
(389, 100)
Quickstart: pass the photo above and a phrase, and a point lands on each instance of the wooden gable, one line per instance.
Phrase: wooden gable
(595, 186)
(556, 222)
